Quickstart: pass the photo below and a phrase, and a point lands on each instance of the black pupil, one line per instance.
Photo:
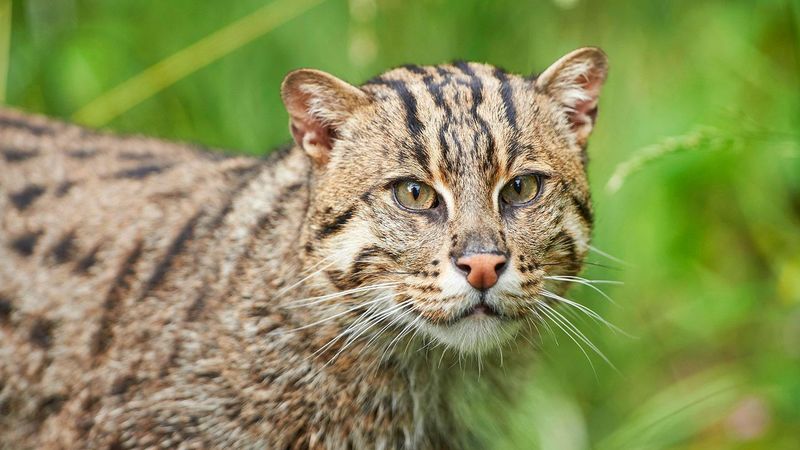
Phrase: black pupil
(414, 189)
(518, 185)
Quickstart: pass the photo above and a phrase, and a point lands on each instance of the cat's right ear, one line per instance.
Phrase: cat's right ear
(318, 104)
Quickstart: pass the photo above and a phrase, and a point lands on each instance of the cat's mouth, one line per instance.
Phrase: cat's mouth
(479, 310)
(482, 310)
(476, 329)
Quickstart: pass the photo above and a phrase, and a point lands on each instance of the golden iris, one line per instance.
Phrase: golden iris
(415, 195)
(520, 190)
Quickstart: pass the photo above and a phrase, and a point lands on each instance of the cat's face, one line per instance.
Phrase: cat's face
(445, 196)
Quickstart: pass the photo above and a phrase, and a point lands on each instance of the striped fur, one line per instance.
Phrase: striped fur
(153, 294)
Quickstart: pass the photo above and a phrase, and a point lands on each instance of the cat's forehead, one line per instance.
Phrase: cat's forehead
(455, 88)
(462, 121)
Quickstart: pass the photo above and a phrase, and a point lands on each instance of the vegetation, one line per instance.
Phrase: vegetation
(695, 168)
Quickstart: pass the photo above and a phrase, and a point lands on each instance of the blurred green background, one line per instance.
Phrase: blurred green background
(698, 133)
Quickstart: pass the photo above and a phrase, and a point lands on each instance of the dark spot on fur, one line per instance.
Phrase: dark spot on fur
(82, 153)
(25, 244)
(169, 195)
(185, 235)
(197, 306)
(64, 249)
(24, 124)
(63, 188)
(122, 384)
(41, 334)
(25, 198)
(6, 308)
(141, 172)
(134, 156)
(104, 334)
(87, 261)
(13, 155)
(210, 374)
(260, 311)
(50, 405)
(435, 262)
(435, 273)
(116, 444)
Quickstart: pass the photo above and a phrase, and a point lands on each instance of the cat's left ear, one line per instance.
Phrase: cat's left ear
(574, 81)
(318, 104)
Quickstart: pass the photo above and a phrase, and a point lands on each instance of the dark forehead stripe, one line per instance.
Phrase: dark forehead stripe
(413, 124)
(476, 87)
(507, 94)
(435, 90)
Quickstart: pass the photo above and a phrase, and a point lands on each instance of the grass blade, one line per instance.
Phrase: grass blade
(179, 65)
(5, 46)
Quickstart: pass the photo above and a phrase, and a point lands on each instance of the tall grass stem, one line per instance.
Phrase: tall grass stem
(181, 64)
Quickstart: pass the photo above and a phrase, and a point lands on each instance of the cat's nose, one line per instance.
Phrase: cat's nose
(482, 269)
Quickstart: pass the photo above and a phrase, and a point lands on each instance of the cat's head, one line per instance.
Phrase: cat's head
(443, 197)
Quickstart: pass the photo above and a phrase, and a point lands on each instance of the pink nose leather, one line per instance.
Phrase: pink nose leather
(482, 269)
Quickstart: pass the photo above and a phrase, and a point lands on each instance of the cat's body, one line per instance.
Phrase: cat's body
(152, 294)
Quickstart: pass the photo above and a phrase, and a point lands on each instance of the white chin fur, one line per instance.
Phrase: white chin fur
(476, 334)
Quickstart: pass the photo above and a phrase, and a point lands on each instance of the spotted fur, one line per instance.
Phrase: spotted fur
(156, 295)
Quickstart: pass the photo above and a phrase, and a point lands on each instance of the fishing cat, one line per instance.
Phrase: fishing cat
(336, 294)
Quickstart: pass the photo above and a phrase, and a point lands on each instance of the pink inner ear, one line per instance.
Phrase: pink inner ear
(322, 135)
(584, 112)
(303, 124)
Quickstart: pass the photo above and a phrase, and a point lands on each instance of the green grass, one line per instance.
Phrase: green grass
(695, 169)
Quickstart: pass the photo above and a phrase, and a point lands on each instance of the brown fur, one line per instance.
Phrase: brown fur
(154, 294)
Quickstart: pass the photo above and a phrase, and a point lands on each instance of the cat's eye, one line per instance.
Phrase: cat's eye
(415, 195)
(520, 190)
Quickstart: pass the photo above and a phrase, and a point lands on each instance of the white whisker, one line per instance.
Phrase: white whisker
(321, 321)
(586, 310)
(569, 335)
(604, 254)
(585, 282)
(308, 301)
(577, 332)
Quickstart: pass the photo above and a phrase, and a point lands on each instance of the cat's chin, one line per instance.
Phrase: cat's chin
(476, 333)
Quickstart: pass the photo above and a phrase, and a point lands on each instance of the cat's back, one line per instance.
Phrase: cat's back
(106, 246)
